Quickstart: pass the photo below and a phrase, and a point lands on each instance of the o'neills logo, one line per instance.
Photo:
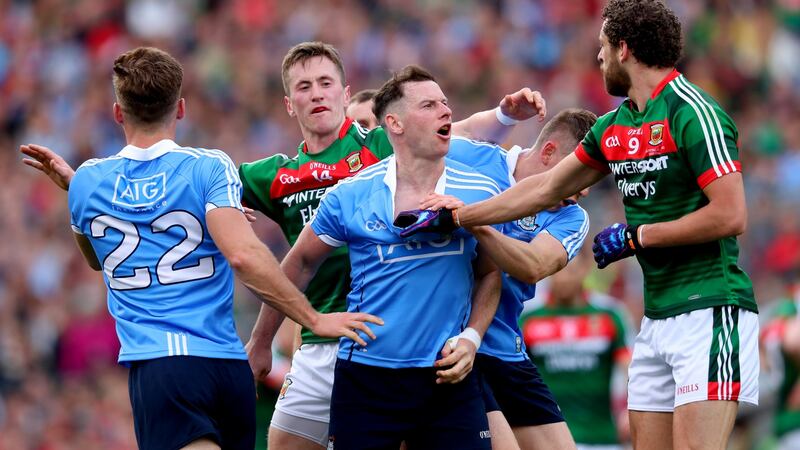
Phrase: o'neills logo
(656, 133)
(688, 388)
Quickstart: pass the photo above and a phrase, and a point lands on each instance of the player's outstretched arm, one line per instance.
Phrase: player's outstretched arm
(528, 262)
(458, 354)
(531, 195)
(49, 163)
(495, 124)
(258, 269)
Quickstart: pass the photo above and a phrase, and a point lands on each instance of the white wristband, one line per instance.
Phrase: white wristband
(469, 334)
(504, 119)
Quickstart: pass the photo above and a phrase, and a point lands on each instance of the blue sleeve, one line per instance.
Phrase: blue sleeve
(218, 174)
(76, 200)
(569, 226)
(328, 222)
(485, 158)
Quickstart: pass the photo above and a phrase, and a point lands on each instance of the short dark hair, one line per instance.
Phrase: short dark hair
(392, 90)
(574, 122)
(651, 30)
(305, 51)
(147, 83)
(363, 96)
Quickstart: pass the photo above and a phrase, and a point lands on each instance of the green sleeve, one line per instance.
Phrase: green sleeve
(378, 143)
(708, 138)
(257, 178)
(590, 151)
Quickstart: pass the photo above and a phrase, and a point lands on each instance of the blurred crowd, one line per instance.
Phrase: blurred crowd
(59, 385)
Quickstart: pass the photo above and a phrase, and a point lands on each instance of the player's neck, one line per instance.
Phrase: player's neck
(643, 82)
(416, 174)
(318, 142)
(146, 138)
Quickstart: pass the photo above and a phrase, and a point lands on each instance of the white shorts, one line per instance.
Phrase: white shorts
(306, 393)
(707, 354)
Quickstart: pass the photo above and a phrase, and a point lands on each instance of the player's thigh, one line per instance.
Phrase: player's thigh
(375, 407)
(651, 430)
(453, 417)
(502, 436)
(306, 390)
(704, 425)
(714, 355)
(279, 439)
(555, 436)
(202, 444)
(518, 389)
(651, 387)
(182, 399)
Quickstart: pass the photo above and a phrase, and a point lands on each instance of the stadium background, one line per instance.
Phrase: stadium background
(59, 385)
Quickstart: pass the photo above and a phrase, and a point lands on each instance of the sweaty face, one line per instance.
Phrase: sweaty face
(616, 79)
(426, 119)
(362, 113)
(317, 96)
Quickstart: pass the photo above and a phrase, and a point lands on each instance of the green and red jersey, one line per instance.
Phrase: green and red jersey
(575, 349)
(787, 414)
(288, 191)
(662, 158)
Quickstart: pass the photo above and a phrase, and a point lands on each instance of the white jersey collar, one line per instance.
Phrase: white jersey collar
(511, 159)
(148, 154)
(390, 179)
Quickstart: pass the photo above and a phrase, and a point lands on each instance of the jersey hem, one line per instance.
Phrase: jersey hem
(200, 354)
(694, 306)
(752, 401)
(505, 357)
(389, 364)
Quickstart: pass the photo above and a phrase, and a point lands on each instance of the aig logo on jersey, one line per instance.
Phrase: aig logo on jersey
(139, 192)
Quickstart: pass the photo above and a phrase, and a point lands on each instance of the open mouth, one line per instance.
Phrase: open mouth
(444, 131)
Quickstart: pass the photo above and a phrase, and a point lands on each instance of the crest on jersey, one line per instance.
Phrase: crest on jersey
(528, 223)
(656, 133)
(286, 383)
(354, 162)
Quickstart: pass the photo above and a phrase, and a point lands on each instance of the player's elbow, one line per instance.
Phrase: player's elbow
(735, 222)
(241, 260)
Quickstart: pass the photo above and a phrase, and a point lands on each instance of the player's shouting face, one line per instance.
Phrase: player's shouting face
(317, 95)
(425, 118)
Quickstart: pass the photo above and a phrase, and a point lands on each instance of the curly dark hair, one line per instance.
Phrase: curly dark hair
(651, 30)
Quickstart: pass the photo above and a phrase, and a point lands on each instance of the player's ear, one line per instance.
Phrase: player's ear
(289, 109)
(181, 110)
(118, 117)
(393, 124)
(623, 51)
(346, 96)
(547, 151)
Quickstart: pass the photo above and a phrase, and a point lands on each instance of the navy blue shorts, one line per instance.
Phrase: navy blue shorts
(517, 389)
(180, 399)
(377, 408)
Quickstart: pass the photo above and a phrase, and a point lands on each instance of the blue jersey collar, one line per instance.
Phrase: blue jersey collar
(148, 154)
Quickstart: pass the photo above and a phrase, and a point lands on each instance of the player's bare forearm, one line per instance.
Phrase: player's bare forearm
(266, 326)
(532, 194)
(255, 266)
(485, 126)
(528, 262)
(486, 295)
(725, 215)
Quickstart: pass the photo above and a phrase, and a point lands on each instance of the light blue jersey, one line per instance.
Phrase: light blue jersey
(421, 289)
(169, 287)
(569, 225)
